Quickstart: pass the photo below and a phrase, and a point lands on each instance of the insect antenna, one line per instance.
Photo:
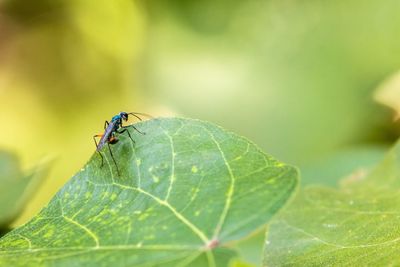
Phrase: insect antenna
(142, 114)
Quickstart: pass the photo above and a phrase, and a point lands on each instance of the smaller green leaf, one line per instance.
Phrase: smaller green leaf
(356, 225)
(331, 169)
(251, 248)
(240, 263)
(15, 187)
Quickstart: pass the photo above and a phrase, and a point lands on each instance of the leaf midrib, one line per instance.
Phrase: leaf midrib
(165, 203)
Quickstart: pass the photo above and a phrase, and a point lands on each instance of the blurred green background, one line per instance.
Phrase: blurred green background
(295, 77)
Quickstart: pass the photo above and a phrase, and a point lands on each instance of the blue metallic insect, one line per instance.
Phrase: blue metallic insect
(110, 131)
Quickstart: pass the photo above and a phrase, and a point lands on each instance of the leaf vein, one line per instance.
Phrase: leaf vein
(177, 214)
(172, 175)
(87, 230)
(231, 188)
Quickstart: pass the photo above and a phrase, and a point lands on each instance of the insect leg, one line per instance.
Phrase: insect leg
(112, 156)
(134, 128)
(129, 134)
(106, 123)
(95, 141)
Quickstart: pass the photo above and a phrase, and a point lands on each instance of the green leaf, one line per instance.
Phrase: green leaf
(240, 263)
(356, 225)
(187, 188)
(251, 249)
(16, 187)
(331, 169)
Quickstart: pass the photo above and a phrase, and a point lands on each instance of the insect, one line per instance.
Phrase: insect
(110, 130)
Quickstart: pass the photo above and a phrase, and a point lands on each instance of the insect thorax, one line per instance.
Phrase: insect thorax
(116, 118)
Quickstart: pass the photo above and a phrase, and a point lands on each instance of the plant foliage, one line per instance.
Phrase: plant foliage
(186, 189)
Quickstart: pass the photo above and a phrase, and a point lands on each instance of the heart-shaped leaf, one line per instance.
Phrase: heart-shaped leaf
(357, 225)
(185, 190)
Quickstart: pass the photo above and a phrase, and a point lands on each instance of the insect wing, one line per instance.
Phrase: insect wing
(107, 134)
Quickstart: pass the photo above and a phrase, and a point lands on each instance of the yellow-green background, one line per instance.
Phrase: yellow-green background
(295, 77)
